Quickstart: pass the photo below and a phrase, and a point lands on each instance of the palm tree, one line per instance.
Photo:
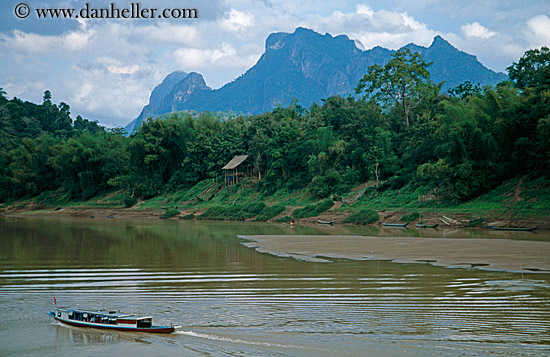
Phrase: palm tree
(3, 95)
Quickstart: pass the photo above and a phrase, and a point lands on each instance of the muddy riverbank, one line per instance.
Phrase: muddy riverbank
(491, 254)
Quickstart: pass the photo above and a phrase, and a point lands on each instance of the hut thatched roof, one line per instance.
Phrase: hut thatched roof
(235, 162)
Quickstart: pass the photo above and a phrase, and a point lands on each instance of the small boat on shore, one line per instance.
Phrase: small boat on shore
(324, 222)
(109, 320)
(427, 225)
(517, 229)
(395, 224)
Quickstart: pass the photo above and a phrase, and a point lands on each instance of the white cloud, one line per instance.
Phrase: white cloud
(167, 33)
(83, 96)
(20, 41)
(77, 41)
(364, 9)
(537, 32)
(117, 67)
(237, 20)
(224, 56)
(499, 50)
(106, 91)
(476, 30)
(374, 28)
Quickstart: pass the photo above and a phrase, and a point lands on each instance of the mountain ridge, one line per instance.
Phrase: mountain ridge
(306, 66)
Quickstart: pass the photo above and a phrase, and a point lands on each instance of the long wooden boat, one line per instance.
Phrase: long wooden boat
(427, 225)
(109, 320)
(395, 224)
(324, 222)
(518, 229)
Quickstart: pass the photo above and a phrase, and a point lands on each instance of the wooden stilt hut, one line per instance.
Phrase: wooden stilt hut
(235, 170)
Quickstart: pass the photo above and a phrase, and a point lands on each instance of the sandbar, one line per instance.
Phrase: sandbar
(489, 254)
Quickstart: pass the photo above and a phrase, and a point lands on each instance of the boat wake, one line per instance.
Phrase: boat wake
(231, 340)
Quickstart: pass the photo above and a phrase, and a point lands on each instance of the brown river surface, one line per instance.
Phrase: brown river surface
(237, 297)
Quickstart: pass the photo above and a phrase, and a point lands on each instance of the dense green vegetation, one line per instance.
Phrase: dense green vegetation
(449, 147)
(270, 212)
(313, 210)
(364, 216)
(234, 212)
(171, 212)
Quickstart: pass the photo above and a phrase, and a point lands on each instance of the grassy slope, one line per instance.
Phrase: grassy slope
(518, 199)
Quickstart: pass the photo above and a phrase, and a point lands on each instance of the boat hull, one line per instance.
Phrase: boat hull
(395, 224)
(152, 329)
(427, 225)
(325, 222)
(517, 229)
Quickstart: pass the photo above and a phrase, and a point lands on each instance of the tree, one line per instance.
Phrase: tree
(156, 152)
(464, 90)
(47, 97)
(82, 124)
(528, 121)
(380, 156)
(404, 81)
(532, 70)
(3, 94)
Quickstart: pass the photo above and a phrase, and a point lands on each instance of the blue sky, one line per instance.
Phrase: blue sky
(105, 69)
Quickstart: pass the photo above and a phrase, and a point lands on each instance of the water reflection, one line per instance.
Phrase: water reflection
(65, 334)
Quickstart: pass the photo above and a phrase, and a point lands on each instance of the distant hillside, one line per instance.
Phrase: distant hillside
(309, 67)
(454, 66)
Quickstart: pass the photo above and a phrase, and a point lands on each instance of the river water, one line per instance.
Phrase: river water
(234, 301)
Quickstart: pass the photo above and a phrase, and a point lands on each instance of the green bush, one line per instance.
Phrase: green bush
(234, 213)
(188, 216)
(306, 211)
(223, 212)
(129, 201)
(215, 212)
(366, 216)
(270, 212)
(324, 206)
(284, 219)
(413, 216)
(313, 210)
(171, 212)
(252, 209)
(325, 185)
(195, 191)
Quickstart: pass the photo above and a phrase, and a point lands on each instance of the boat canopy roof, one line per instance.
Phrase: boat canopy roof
(107, 313)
